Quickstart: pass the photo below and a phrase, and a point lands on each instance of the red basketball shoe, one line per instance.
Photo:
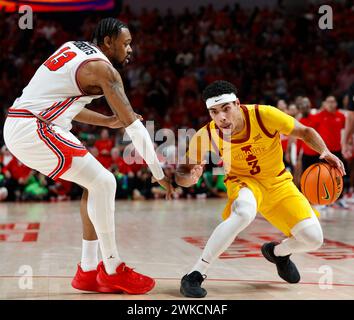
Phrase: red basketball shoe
(125, 279)
(86, 281)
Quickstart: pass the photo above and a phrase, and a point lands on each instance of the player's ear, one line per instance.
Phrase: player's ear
(107, 41)
(237, 102)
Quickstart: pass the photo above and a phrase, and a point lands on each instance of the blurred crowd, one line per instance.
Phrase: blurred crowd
(272, 56)
(329, 121)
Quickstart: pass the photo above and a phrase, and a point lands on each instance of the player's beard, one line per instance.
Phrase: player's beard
(117, 64)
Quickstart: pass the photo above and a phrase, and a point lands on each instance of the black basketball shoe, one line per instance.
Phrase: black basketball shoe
(286, 268)
(190, 285)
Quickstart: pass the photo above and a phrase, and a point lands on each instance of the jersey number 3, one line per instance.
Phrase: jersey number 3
(251, 160)
(57, 60)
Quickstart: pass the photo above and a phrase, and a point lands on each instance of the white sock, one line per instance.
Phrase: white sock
(289, 246)
(244, 210)
(202, 266)
(109, 251)
(89, 255)
(307, 237)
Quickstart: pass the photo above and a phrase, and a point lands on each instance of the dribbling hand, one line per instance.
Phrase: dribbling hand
(334, 161)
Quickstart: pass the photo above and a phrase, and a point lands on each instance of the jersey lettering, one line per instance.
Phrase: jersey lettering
(251, 160)
(84, 47)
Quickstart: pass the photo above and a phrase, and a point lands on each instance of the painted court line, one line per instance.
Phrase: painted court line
(213, 280)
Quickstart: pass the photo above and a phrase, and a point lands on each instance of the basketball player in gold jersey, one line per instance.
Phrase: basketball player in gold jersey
(247, 139)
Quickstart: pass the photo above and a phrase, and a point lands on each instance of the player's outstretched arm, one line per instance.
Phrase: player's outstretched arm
(99, 75)
(311, 137)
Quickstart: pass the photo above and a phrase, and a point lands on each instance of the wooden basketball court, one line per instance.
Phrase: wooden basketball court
(164, 239)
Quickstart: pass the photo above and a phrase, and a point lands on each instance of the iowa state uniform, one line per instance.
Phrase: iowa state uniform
(254, 158)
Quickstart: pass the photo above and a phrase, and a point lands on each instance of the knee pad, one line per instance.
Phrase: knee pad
(245, 206)
(104, 182)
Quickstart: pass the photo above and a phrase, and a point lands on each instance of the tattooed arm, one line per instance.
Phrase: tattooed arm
(100, 77)
(110, 82)
(311, 137)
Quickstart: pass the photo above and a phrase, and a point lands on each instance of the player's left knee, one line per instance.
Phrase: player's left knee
(245, 210)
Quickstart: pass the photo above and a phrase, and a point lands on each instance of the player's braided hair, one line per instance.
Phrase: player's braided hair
(218, 88)
(107, 27)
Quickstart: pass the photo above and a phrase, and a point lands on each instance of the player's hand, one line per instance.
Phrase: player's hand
(197, 172)
(333, 160)
(166, 184)
(114, 122)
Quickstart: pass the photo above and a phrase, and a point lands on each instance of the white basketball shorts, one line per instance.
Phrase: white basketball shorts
(48, 149)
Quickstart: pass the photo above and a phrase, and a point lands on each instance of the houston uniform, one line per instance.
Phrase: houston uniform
(53, 95)
(254, 158)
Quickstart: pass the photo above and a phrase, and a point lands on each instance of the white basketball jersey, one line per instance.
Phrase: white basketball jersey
(53, 92)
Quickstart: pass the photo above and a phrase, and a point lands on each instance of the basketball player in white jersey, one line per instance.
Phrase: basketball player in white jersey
(37, 132)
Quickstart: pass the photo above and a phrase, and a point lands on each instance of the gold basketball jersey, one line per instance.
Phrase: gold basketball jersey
(255, 152)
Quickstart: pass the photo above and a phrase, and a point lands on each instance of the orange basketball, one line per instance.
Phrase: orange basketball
(321, 183)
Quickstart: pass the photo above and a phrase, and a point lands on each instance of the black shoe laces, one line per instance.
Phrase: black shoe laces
(196, 278)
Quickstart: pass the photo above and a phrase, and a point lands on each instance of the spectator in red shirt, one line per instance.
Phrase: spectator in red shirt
(16, 175)
(17, 170)
(104, 147)
(118, 163)
(329, 124)
(60, 190)
(133, 159)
